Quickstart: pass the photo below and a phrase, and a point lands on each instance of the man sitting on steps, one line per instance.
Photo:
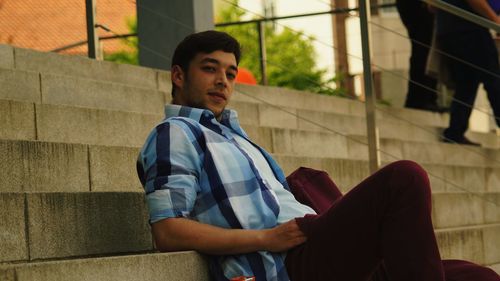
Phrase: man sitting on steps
(210, 189)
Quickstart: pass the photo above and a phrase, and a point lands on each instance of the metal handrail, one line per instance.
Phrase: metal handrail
(464, 14)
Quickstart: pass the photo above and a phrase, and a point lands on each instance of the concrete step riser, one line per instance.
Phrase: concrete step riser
(49, 63)
(52, 88)
(480, 245)
(66, 90)
(77, 66)
(58, 123)
(313, 102)
(38, 166)
(57, 225)
(49, 167)
(52, 225)
(185, 266)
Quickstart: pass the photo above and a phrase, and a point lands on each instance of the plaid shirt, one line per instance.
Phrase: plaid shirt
(192, 167)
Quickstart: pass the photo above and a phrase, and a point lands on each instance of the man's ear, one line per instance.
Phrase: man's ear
(177, 76)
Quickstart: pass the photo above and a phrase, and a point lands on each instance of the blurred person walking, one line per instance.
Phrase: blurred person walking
(419, 22)
(474, 45)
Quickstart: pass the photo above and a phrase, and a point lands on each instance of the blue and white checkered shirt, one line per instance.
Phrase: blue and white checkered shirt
(191, 166)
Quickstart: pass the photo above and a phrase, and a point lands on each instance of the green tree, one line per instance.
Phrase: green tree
(290, 55)
(131, 54)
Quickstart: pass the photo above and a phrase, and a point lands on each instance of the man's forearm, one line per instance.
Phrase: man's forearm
(483, 8)
(180, 234)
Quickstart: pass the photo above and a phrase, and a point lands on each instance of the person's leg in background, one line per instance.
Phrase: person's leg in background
(491, 78)
(386, 217)
(419, 23)
(467, 76)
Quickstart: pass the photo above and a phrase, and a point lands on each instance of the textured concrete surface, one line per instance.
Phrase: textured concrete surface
(449, 210)
(40, 166)
(78, 66)
(7, 274)
(79, 224)
(474, 178)
(304, 100)
(492, 208)
(464, 244)
(114, 169)
(19, 85)
(17, 120)
(312, 144)
(163, 81)
(493, 179)
(182, 266)
(491, 244)
(91, 126)
(13, 244)
(292, 98)
(426, 152)
(66, 90)
(261, 136)
(495, 267)
(270, 116)
(6, 57)
(248, 113)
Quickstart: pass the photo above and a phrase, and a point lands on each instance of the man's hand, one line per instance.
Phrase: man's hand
(483, 8)
(283, 237)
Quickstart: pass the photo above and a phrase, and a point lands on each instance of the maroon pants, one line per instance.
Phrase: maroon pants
(386, 218)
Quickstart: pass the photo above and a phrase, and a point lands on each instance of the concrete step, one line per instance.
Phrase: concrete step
(444, 178)
(479, 244)
(396, 127)
(313, 102)
(495, 267)
(45, 88)
(79, 66)
(181, 266)
(90, 84)
(48, 122)
(26, 72)
(37, 166)
(39, 226)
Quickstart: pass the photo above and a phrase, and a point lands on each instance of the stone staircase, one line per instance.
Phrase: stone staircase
(72, 208)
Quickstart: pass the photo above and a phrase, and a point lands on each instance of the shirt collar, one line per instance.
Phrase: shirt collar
(204, 116)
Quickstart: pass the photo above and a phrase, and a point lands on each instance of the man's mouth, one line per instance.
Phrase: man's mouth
(218, 95)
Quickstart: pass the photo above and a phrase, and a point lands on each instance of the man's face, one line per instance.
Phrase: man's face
(208, 83)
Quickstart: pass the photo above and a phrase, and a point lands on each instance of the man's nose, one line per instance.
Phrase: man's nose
(221, 80)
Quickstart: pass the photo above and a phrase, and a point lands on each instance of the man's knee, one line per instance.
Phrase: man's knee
(413, 178)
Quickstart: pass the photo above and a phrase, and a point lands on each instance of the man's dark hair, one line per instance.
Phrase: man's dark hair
(204, 42)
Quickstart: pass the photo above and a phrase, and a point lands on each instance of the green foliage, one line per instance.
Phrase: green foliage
(131, 55)
(290, 55)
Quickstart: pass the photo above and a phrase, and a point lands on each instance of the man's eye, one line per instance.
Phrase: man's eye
(231, 76)
(209, 68)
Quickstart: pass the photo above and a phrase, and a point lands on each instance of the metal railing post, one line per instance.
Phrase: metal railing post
(262, 49)
(371, 126)
(92, 38)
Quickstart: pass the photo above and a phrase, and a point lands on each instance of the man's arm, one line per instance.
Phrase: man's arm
(483, 8)
(180, 234)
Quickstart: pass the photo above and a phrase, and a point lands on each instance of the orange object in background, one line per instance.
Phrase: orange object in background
(243, 278)
(245, 76)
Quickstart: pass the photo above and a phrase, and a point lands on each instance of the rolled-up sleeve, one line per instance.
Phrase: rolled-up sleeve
(171, 164)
